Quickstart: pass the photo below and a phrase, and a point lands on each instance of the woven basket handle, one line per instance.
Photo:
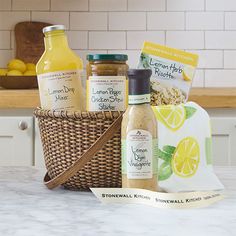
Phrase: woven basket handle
(86, 157)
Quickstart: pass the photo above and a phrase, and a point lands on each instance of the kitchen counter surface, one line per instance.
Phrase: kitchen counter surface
(206, 97)
(29, 209)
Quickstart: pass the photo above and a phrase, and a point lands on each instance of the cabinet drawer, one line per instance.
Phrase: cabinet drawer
(224, 140)
(16, 141)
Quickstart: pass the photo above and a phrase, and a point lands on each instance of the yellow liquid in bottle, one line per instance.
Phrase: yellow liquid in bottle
(59, 74)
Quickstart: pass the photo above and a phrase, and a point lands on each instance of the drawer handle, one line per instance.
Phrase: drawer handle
(23, 125)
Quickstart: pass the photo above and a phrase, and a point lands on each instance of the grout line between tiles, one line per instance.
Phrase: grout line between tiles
(204, 82)
(69, 21)
(224, 21)
(88, 40)
(146, 15)
(108, 18)
(223, 56)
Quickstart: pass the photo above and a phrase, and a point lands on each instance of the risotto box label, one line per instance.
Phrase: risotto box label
(172, 72)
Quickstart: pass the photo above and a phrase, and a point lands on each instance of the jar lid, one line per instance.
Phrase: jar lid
(107, 57)
(53, 27)
(139, 81)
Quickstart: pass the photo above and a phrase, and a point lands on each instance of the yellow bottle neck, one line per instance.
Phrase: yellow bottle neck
(55, 40)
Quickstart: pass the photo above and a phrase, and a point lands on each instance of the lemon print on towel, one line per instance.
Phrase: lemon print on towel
(173, 116)
(185, 159)
(182, 160)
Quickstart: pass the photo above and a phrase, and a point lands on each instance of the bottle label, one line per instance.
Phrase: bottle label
(139, 99)
(61, 90)
(138, 155)
(106, 93)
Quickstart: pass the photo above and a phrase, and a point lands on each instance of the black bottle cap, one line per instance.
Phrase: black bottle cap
(139, 81)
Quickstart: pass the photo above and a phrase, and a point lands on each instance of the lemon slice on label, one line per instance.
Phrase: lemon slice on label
(186, 158)
(172, 117)
(188, 73)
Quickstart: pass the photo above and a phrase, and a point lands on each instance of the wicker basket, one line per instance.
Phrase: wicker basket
(67, 138)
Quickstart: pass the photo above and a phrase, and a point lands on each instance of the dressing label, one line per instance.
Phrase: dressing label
(60, 90)
(139, 99)
(137, 154)
(106, 93)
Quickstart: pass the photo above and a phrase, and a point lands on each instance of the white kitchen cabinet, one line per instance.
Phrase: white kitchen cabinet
(224, 140)
(223, 136)
(16, 141)
(22, 147)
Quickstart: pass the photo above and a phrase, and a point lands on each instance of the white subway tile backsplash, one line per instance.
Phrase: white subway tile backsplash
(220, 5)
(198, 80)
(185, 39)
(107, 40)
(209, 58)
(52, 17)
(34, 5)
(127, 21)
(148, 5)
(220, 39)
(204, 21)
(133, 56)
(205, 27)
(107, 5)
(9, 19)
(5, 42)
(220, 78)
(5, 57)
(185, 5)
(69, 5)
(230, 59)
(165, 21)
(5, 5)
(78, 39)
(135, 39)
(88, 21)
(230, 20)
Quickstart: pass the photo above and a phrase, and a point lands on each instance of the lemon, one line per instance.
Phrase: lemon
(14, 73)
(30, 66)
(171, 116)
(30, 73)
(185, 159)
(188, 73)
(3, 72)
(16, 64)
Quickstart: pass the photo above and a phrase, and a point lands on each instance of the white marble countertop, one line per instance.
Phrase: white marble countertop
(29, 209)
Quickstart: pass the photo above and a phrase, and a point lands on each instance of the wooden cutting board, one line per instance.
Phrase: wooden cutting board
(29, 40)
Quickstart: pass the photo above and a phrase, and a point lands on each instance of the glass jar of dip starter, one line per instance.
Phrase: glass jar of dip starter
(107, 86)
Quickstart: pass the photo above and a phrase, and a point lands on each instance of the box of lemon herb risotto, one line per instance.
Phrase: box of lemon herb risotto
(172, 72)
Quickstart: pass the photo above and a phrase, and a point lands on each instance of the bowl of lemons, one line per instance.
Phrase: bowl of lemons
(18, 75)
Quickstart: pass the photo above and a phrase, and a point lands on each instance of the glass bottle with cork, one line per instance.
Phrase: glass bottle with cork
(139, 135)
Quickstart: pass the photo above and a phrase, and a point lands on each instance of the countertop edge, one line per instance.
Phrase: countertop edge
(205, 97)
